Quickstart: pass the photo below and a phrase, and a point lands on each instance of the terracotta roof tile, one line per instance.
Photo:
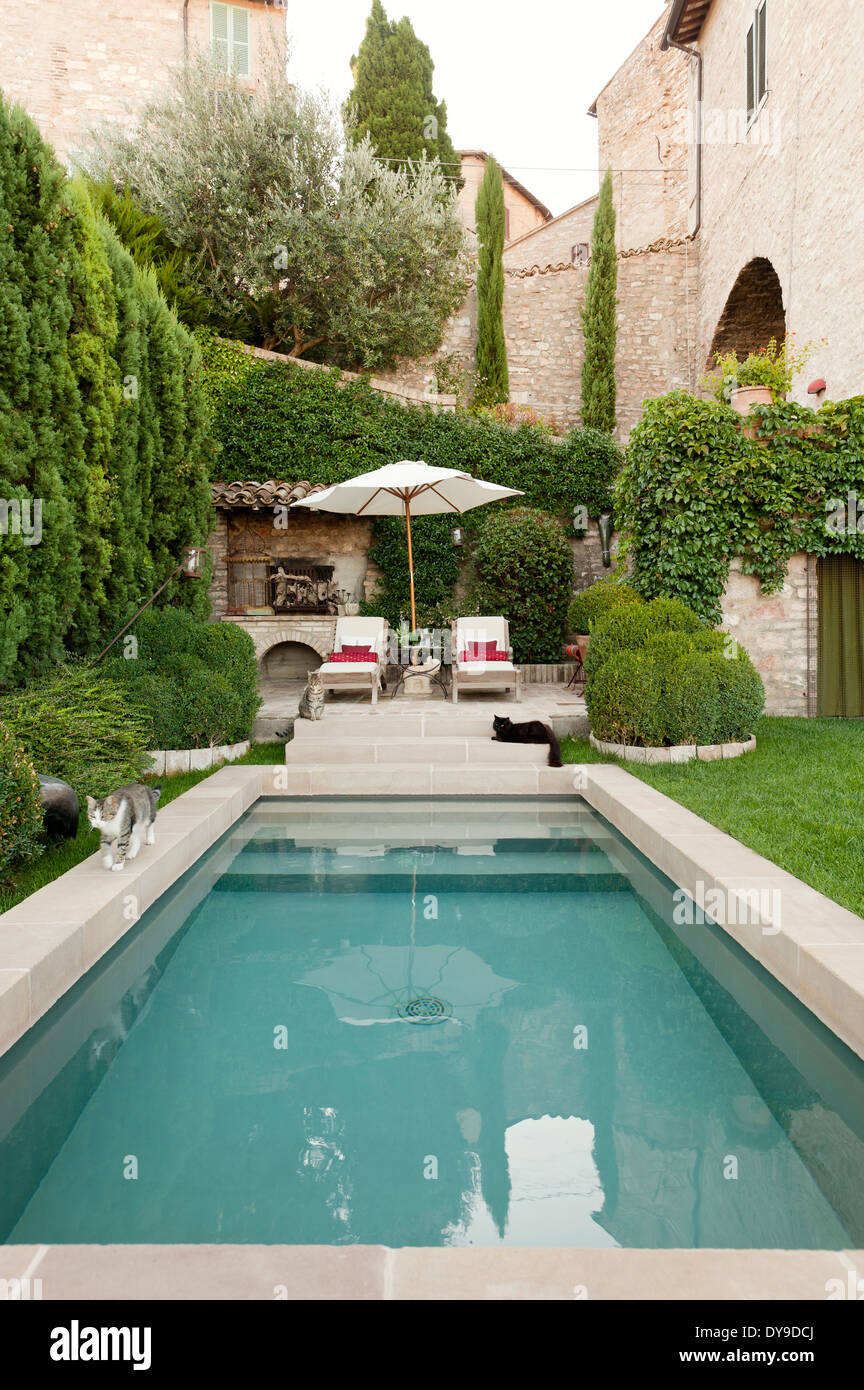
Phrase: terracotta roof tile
(259, 496)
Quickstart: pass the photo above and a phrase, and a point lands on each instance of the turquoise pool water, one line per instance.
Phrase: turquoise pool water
(429, 1023)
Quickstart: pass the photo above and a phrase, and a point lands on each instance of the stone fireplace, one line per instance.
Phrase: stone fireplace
(286, 575)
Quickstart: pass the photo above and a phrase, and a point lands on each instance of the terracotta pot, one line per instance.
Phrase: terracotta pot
(743, 398)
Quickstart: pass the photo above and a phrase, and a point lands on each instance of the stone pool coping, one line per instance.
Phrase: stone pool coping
(809, 943)
(425, 1273)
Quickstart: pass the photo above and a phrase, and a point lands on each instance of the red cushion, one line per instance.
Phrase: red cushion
(354, 654)
(483, 651)
(477, 652)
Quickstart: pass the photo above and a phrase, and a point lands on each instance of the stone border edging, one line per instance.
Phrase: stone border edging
(378, 1272)
(811, 944)
(678, 753)
(167, 761)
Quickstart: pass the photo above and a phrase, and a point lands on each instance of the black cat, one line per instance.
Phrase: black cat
(530, 732)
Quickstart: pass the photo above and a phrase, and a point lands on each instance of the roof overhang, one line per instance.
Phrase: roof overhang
(685, 21)
(513, 182)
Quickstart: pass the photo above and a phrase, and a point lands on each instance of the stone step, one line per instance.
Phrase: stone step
(386, 725)
(427, 752)
(420, 779)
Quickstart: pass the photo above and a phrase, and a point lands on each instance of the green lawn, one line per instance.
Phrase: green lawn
(26, 878)
(799, 799)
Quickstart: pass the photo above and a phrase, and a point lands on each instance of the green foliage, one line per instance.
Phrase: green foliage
(436, 569)
(198, 681)
(146, 239)
(628, 627)
(289, 235)
(102, 420)
(81, 725)
(20, 807)
(657, 676)
(593, 603)
(275, 420)
(493, 383)
(696, 491)
(774, 366)
(41, 429)
(524, 568)
(599, 319)
(392, 102)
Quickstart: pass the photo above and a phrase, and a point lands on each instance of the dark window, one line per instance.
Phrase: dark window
(506, 224)
(757, 82)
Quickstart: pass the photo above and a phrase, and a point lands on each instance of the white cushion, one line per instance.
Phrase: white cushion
(482, 629)
(360, 632)
(485, 668)
(347, 668)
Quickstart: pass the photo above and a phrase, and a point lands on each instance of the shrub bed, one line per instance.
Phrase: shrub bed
(524, 568)
(593, 603)
(79, 724)
(658, 677)
(20, 807)
(197, 681)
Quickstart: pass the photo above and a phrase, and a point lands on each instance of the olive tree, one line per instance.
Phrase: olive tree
(302, 240)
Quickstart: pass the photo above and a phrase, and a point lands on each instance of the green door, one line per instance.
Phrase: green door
(841, 637)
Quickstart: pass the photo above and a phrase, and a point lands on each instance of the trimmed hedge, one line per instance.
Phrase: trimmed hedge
(278, 420)
(524, 568)
(198, 681)
(20, 807)
(658, 676)
(81, 725)
(593, 603)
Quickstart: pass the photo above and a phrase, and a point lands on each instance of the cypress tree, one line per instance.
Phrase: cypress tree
(92, 336)
(130, 578)
(41, 429)
(599, 320)
(493, 385)
(393, 100)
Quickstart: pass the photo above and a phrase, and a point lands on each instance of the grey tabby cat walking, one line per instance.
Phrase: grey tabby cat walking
(121, 819)
(312, 699)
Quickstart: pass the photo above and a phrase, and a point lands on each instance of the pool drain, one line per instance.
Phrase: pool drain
(425, 1009)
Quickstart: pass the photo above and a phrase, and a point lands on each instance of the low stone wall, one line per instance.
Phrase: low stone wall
(167, 761)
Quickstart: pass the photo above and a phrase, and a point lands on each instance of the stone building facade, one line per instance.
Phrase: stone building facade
(75, 65)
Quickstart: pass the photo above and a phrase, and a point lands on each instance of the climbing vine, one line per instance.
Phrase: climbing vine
(696, 491)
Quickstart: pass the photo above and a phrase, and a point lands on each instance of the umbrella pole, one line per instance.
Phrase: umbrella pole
(410, 563)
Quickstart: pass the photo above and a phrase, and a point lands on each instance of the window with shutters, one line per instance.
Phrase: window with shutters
(229, 38)
(757, 80)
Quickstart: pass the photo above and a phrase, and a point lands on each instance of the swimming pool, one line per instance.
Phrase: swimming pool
(415, 1022)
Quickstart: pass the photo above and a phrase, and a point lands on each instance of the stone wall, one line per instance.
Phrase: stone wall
(773, 629)
(74, 65)
(786, 190)
(522, 215)
(642, 137)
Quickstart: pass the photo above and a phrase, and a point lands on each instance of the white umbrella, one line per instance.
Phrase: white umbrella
(407, 488)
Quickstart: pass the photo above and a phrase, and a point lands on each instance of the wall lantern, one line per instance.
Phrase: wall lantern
(457, 535)
(604, 526)
(192, 566)
(194, 560)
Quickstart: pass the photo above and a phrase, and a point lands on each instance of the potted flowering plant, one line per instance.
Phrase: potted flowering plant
(762, 378)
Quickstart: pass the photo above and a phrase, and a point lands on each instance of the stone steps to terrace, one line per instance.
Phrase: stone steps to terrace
(387, 749)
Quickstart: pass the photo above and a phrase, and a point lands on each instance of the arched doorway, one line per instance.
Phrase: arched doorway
(289, 661)
(753, 313)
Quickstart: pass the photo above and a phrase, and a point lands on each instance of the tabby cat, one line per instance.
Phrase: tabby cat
(121, 818)
(531, 731)
(312, 699)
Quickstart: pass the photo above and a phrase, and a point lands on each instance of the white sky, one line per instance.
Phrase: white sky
(518, 76)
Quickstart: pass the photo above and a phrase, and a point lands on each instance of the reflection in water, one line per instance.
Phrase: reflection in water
(678, 1124)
